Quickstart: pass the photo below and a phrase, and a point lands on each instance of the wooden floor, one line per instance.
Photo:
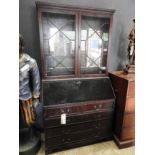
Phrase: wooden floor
(104, 148)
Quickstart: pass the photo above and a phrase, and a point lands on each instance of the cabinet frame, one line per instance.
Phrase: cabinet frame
(78, 12)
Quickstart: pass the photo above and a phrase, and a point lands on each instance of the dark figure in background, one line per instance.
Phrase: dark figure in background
(29, 93)
(131, 50)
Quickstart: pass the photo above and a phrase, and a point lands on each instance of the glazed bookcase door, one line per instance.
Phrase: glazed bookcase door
(94, 42)
(58, 43)
(74, 41)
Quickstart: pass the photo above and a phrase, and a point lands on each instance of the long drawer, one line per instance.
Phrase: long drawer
(78, 128)
(80, 135)
(83, 107)
(83, 142)
(78, 118)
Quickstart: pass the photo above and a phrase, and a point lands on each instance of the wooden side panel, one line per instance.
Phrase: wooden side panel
(128, 133)
(131, 89)
(130, 105)
(129, 120)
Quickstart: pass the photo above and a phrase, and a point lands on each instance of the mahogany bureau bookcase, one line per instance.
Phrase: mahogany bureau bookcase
(77, 93)
(124, 125)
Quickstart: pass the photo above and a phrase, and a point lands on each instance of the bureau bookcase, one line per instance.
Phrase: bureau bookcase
(76, 91)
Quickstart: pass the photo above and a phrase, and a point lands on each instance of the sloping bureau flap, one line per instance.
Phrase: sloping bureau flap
(76, 90)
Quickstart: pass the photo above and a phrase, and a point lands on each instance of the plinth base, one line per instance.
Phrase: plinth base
(29, 142)
(123, 144)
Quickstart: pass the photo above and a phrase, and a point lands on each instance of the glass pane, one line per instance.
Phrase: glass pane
(59, 43)
(94, 44)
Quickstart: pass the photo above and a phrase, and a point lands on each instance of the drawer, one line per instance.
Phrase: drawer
(78, 128)
(131, 89)
(79, 118)
(77, 136)
(128, 133)
(52, 111)
(83, 142)
(130, 105)
(129, 120)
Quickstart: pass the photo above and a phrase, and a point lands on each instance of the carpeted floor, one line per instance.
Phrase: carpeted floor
(104, 148)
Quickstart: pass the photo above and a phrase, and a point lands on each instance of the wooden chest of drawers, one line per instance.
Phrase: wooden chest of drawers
(89, 108)
(124, 126)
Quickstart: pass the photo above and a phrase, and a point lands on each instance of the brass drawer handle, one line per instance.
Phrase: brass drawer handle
(62, 110)
(95, 106)
(100, 106)
(68, 110)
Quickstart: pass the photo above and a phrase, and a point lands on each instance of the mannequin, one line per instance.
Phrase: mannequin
(28, 73)
(29, 93)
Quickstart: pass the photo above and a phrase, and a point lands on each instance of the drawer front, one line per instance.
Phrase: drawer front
(84, 142)
(128, 133)
(80, 118)
(130, 105)
(129, 120)
(78, 128)
(53, 111)
(77, 136)
(131, 89)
